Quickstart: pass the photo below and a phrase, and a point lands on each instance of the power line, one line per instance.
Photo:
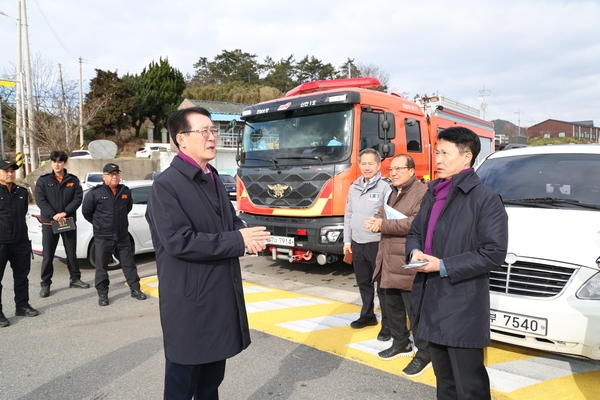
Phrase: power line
(53, 31)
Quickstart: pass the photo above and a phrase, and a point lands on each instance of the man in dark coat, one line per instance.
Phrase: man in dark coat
(198, 239)
(15, 247)
(58, 194)
(106, 207)
(461, 230)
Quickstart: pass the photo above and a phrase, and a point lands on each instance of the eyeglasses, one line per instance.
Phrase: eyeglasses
(205, 132)
(396, 169)
(113, 174)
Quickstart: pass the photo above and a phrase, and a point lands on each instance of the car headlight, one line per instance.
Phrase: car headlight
(591, 289)
(330, 234)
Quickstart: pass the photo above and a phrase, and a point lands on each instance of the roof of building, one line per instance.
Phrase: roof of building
(587, 123)
(216, 107)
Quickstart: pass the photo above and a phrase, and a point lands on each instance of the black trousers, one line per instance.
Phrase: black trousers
(104, 250)
(182, 382)
(397, 303)
(363, 261)
(19, 257)
(460, 373)
(49, 243)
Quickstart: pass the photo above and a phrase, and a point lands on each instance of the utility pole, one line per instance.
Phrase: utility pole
(482, 94)
(30, 113)
(64, 105)
(80, 107)
(19, 91)
(519, 121)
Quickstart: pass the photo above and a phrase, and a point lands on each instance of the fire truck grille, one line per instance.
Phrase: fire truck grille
(285, 190)
(530, 279)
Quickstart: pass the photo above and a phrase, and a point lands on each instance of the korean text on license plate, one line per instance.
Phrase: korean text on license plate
(520, 323)
(281, 241)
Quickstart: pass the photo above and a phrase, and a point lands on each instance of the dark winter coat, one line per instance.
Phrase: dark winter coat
(197, 243)
(391, 256)
(471, 237)
(108, 212)
(53, 197)
(13, 211)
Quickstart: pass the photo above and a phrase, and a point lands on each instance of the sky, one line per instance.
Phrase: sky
(534, 59)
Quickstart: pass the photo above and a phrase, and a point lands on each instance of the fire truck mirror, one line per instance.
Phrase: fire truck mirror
(387, 126)
(387, 150)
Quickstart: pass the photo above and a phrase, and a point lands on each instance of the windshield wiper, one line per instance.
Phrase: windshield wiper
(319, 159)
(550, 202)
(274, 162)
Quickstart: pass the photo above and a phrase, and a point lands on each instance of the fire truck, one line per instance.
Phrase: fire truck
(298, 155)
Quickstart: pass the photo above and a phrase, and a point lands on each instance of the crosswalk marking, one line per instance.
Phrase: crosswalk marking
(315, 324)
(270, 305)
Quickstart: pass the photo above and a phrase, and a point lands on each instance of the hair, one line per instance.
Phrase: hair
(464, 138)
(178, 121)
(410, 162)
(58, 155)
(369, 151)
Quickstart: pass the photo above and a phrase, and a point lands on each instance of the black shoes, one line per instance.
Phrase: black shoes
(102, 299)
(45, 291)
(138, 295)
(3, 321)
(78, 283)
(384, 334)
(363, 322)
(397, 350)
(26, 311)
(417, 366)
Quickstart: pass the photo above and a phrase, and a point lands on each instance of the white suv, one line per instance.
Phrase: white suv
(547, 294)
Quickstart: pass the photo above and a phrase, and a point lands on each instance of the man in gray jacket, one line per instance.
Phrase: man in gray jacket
(365, 197)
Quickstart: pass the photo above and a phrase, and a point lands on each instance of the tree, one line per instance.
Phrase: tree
(312, 69)
(374, 71)
(119, 100)
(281, 74)
(165, 86)
(145, 100)
(229, 66)
(349, 70)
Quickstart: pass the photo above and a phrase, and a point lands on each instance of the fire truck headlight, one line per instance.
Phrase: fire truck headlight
(591, 289)
(330, 234)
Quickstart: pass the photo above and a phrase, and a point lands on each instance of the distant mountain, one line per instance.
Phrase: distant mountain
(504, 127)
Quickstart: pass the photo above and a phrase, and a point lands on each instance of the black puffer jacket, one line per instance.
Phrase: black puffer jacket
(53, 197)
(13, 211)
(108, 212)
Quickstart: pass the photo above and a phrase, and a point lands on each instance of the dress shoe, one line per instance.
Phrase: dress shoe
(398, 349)
(417, 366)
(45, 291)
(78, 283)
(102, 299)
(363, 322)
(384, 334)
(3, 321)
(26, 311)
(138, 294)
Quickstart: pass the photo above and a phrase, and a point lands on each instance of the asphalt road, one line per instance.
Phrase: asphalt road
(77, 350)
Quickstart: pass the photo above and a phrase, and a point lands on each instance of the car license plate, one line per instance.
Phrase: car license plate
(282, 241)
(517, 322)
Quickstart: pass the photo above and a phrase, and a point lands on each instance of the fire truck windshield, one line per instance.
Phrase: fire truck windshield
(301, 137)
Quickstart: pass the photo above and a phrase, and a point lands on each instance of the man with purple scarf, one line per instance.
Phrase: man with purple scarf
(461, 230)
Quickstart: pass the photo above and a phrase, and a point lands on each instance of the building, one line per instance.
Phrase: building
(552, 128)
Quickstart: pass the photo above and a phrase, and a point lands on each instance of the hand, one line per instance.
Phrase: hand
(433, 263)
(347, 248)
(373, 224)
(255, 237)
(60, 218)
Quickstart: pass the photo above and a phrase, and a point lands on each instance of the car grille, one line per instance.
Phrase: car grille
(530, 279)
(303, 192)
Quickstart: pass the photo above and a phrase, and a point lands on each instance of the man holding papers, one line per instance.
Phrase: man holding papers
(393, 221)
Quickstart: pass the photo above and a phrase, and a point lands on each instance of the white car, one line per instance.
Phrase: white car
(92, 179)
(81, 154)
(547, 293)
(139, 232)
(146, 152)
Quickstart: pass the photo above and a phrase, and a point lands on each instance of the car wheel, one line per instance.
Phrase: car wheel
(113, 264)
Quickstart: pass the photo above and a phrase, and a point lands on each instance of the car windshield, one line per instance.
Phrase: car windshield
(564, 179)
(94, 178)
(227, 178)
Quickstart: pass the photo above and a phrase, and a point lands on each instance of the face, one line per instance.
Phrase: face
(58, 166)
(193, 144)
(449, 160)
(7, 176)
(112, 179)
(369, 166)
(399, 172)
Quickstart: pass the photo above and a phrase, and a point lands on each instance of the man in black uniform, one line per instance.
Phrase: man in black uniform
(14, 241)
(58, 194)
(106, 207)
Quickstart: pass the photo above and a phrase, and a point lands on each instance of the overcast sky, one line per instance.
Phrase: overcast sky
(539, 59)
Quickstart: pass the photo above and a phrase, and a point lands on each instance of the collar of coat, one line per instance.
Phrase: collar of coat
(465, 180)
(188, 169)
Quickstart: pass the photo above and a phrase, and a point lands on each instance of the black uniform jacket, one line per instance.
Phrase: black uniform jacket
(53, 197)
(471, 237)
(197, 243)
(13, 211)
(107, 212)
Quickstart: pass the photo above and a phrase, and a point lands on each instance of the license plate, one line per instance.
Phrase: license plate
(518, 322)
(282, 241)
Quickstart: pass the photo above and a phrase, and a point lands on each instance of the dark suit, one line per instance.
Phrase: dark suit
(195, 235)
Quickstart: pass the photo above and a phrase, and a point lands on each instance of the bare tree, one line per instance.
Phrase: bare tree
(374, 71)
